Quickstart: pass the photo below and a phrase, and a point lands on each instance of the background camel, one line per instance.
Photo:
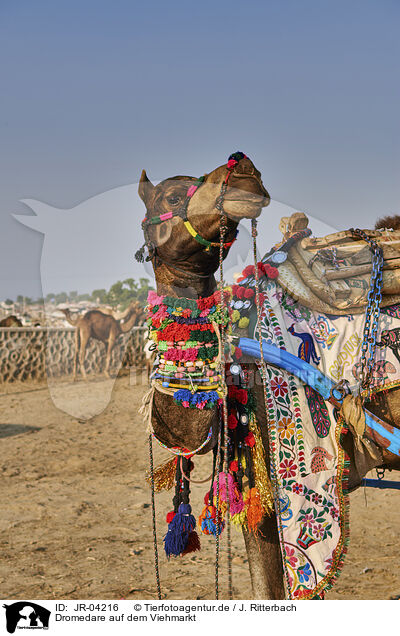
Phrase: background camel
(150, 354)
(119, 315)
(11, 321)
(95, 324)
(388, 222)
(183, 268)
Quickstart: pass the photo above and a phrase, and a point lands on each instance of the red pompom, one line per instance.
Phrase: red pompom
(250, 440)
(233, 466)
(242, 396)
(232, 421)
(170, 516)
(231, 390)
(240, 292)
(273, 272)
(238, 353)
(248, 271)
(249, 293)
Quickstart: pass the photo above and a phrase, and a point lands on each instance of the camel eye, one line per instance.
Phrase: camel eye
(173, 199)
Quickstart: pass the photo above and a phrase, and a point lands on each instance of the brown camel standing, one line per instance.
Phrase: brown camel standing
(183, 268)
(95, 324)
(11, 321)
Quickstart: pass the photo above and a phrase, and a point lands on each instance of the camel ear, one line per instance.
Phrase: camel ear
(145, 188)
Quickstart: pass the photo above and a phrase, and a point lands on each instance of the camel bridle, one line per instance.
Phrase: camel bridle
(148, 251)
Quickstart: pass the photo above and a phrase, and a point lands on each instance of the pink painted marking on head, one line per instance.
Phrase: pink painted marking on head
(191, 191)
(231, 164)
(166, 216)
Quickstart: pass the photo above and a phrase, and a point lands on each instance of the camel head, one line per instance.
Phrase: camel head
(182, 197)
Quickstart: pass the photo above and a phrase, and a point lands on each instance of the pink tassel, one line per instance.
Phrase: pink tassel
(236, 503)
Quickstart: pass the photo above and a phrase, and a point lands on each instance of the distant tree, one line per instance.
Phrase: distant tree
(62, 297)
(120, 294)
(9, 301)
(143, 290)
(20, 299)
(114, 296)
(99, 296)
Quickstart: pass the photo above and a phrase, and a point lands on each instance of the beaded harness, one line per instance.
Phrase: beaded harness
(149, 250)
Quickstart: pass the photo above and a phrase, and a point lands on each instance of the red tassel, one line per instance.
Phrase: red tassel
(193, 543)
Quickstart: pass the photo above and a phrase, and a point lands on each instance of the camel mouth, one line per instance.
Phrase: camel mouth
(238, 209)
(240, 203)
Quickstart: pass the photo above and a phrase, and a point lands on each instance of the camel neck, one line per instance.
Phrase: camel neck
(181, 284)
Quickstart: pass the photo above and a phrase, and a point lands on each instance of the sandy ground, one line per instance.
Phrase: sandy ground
(76, 517)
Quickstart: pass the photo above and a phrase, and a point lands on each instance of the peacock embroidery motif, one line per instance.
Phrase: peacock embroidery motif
(317, 406)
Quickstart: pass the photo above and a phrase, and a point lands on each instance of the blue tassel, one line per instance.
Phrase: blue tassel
(179, 529)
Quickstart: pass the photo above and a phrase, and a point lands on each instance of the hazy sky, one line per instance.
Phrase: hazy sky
(92, 91)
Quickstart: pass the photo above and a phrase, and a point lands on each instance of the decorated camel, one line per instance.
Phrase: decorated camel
(284, 454)
(103, 327)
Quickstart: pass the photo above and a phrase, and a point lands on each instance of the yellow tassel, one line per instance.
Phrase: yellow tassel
(261, 477)
(243, 323)
(239, 519)
(223, 507)
(164, 476)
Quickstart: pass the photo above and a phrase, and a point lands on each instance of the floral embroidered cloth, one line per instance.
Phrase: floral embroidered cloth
(309, 465)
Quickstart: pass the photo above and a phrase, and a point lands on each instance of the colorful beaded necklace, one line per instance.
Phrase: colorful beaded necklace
(185, 332)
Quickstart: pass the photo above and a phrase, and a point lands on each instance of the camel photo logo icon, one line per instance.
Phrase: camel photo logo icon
(26, 615)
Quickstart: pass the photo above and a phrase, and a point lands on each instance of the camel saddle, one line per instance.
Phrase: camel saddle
(332, 274)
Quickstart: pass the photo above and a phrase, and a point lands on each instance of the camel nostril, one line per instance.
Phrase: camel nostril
(245, 166)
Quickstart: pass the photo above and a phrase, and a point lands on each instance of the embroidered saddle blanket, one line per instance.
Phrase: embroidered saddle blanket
(308, 465)
(308, 461)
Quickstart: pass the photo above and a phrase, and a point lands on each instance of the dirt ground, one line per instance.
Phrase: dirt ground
(76, 517)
